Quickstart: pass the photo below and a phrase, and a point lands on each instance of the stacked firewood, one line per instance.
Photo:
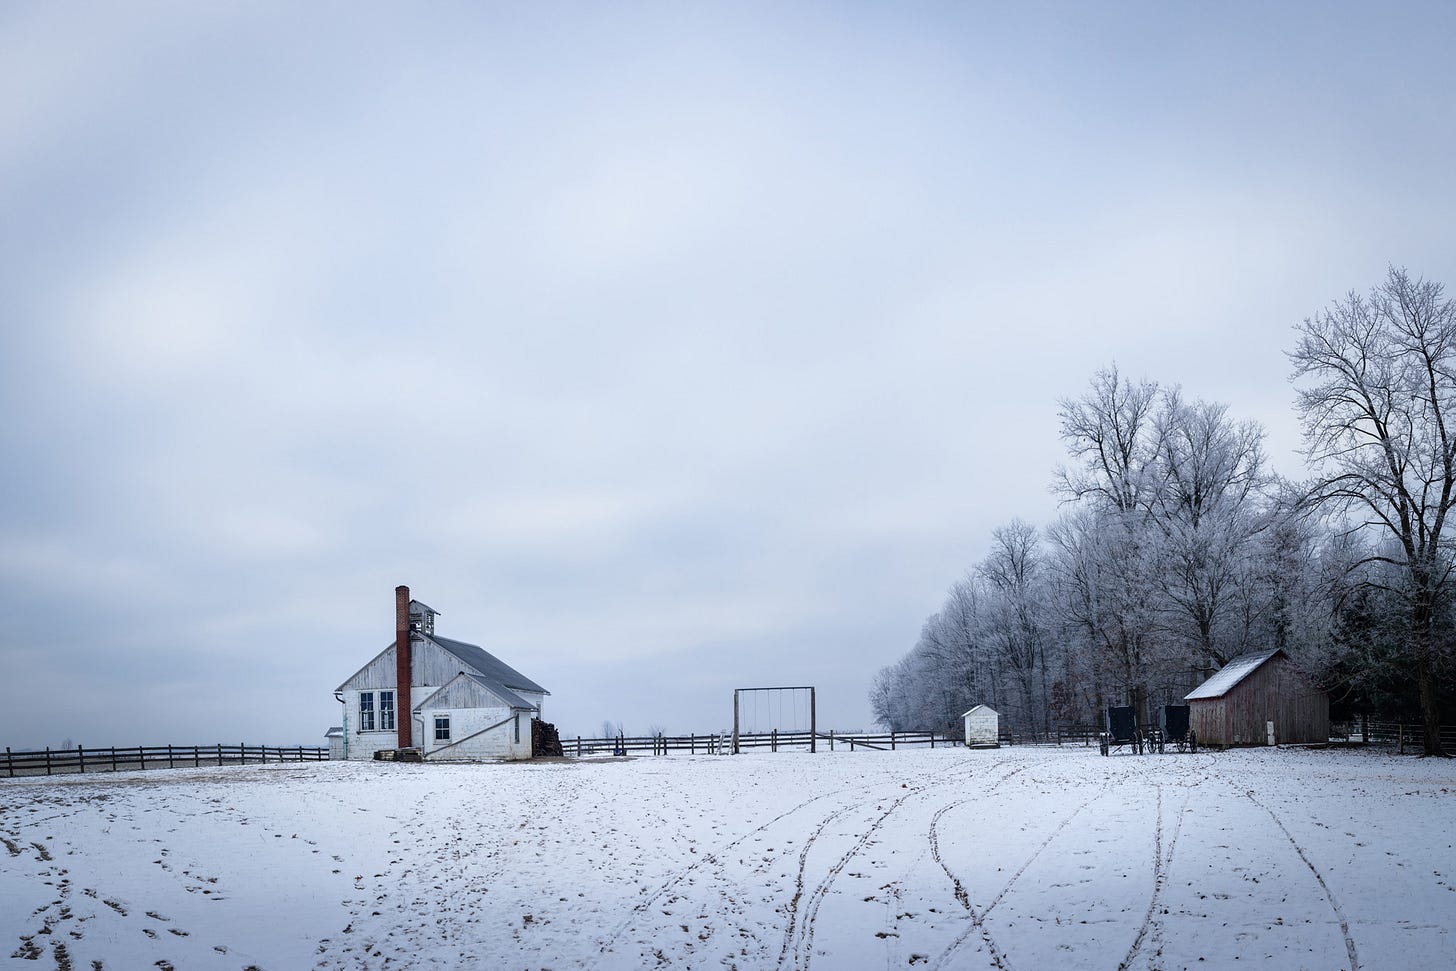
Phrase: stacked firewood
(544, 738)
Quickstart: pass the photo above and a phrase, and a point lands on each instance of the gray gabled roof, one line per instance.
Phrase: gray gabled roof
(1236, 670)
(495, 672)
(498, 675)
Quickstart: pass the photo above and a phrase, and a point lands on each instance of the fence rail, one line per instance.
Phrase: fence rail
(53, 761)
(722, 743)
(1401, 734)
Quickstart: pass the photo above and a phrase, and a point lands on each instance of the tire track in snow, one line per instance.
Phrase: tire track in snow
(1152, 926)
(998, 956)
(1161, 862)
(802, 945)
(714, 857)
(1350, 949)
(802, 942)
(707, 858)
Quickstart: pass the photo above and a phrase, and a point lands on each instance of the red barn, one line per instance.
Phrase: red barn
(1236, 705)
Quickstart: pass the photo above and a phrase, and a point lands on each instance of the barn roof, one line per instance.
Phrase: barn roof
(496, 673)
(1236, 670)
(985, 708)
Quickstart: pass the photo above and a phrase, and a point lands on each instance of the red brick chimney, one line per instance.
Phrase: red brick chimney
(403, 667)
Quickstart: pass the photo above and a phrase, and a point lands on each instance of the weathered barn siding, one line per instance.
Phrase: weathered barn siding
(483, 724)
(378, 673)
(1275, 691)
(463, 691)
(363, 745)
(478, 733)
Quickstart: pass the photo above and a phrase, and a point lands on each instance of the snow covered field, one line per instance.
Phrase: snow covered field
(1017, 858)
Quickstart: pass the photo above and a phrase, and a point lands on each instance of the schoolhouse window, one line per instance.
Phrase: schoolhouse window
(366, 711)
(518, 728)
(442, 728)
(386, 711)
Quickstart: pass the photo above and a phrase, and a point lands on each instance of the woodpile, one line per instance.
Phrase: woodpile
(544, 739)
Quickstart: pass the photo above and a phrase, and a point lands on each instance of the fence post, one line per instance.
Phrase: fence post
(831, 740)
(48, 760)
(9, 762)
(169, 758)
(773, 740)
(113, 758)
(892, 740)
(81, 757)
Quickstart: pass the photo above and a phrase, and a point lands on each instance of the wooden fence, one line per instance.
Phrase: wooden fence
(722, 743)
(52, 761)
(1403, 735)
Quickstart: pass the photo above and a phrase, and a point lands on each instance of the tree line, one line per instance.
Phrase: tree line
(1179, 548)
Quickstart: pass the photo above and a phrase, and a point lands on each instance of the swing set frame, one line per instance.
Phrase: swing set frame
(813, 722)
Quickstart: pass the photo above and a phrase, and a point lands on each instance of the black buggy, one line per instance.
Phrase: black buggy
(1121, 730)
(1175, 730)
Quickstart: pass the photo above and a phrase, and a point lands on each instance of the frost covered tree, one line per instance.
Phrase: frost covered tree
(1172, 495)
(1013, 619)
(1177, 550)
(1207, 503)
(1377, 401)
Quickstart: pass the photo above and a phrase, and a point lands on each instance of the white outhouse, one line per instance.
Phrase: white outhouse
(337, 750)
(983, 727)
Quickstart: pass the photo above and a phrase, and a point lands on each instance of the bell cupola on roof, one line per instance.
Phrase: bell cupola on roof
(422, 618)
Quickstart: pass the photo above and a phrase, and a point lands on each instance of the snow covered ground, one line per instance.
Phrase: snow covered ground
(1017, 858)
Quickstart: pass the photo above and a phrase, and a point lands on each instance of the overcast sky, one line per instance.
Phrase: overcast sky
(664, 349)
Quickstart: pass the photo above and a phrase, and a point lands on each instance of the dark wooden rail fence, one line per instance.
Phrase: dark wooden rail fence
(123, 759)
(1403, 735)
(722, 743)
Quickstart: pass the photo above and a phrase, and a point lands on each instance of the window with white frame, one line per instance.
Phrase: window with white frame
(386, 711)
(442, 728)
(518, 728)
(366, 711)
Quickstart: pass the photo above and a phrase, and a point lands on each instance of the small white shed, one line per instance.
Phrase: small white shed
(983, 727)
(337, 742)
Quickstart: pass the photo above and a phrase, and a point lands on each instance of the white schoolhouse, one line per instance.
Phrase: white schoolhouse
(446, 698)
